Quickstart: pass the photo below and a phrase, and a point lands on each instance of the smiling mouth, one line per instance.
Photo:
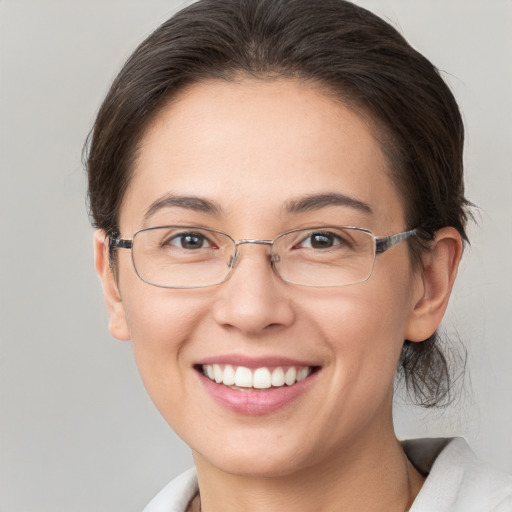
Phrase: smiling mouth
(264, 378)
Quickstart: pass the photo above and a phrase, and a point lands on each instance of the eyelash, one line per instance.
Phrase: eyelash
(336, 239)
(180, 237)
(179, 240)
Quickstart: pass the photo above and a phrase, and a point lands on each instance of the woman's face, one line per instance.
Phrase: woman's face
(250, 149)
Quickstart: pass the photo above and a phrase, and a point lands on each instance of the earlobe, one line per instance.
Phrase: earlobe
(435, 284)
(117, 317)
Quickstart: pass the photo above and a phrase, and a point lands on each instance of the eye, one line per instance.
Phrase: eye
(192, 241)
(320, 240)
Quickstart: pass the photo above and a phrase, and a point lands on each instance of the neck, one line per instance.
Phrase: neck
(364, 476)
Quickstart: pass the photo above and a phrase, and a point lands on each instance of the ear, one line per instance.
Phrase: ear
(435, 284)
(118, 326)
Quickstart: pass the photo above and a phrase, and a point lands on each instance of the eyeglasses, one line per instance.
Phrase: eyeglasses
(197, 257)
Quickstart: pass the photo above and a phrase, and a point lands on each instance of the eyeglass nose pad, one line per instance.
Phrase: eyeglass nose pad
(274, 258)
(234, 259)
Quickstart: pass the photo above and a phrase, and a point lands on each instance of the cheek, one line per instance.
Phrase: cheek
(364, 327)
(161, 324)
(364, 317)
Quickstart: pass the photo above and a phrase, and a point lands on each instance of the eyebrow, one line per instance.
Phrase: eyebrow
(195, 203)
(300, 205)
(319, 201)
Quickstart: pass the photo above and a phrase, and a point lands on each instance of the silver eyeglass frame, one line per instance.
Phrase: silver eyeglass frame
(381, 244)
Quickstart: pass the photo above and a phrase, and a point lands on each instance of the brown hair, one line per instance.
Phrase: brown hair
(354, 54)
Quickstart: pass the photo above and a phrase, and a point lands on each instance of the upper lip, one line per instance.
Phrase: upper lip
(254, 362)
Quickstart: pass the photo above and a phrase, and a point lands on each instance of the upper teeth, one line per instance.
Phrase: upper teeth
(259, 378)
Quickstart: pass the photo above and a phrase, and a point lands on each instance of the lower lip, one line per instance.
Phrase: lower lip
(256, 402)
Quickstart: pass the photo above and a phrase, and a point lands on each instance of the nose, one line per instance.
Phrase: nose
(254, 299)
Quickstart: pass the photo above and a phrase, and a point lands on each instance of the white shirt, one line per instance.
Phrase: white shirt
(456, 482)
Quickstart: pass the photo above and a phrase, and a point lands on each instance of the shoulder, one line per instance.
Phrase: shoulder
(457, 481)
(176, 495)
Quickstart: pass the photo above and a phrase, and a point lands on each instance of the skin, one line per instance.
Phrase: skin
(266, 143)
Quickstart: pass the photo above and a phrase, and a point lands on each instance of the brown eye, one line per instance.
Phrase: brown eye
(320, 240)
(192, 241)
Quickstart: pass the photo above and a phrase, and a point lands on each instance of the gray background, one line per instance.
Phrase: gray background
(77, 432)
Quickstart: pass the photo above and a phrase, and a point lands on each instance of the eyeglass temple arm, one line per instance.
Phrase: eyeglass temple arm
(383, 244)
(118, 243)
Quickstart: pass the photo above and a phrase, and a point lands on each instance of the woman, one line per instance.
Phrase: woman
(277, 187)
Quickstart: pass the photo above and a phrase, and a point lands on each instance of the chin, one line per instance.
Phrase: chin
(257, 469)
(255, 461)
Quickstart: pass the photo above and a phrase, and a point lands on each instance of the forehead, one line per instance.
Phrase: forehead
(259, 145)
